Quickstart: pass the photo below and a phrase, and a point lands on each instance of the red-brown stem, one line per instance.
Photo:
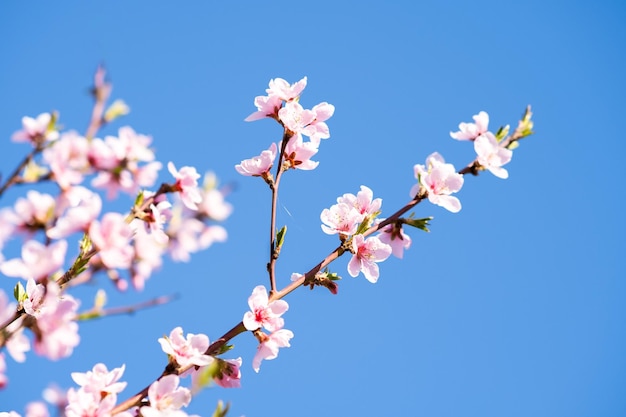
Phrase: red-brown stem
(101, 92)
(472, 168)
(14, 175)
(271, 265)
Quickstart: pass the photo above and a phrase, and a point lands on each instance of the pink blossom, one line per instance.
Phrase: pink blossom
(259, 165)
(36, 295)
(81, 403)
(395, 237)
(38, 261)
(117, 161)
(155, 219)
(363, 202)
(100, 380)
(187, 185)
(165, 395)
(189, 235)
(491, 155)
(77, 207)
(68, 159)
(112, 238)
(213, 204)
(366, 253)
(283, 90)
(148, 257)
(7, 226)
(34, 212)
(230, 375)
(37, 409)
(470, 131)
(295, 117)
(268, 349)
(3, 369)
(298, 153)
(186, 352)
(341, 218)
(17, 344)
(263, 313)
(57, 326)
(440, 180)
(36, 130)
(319, 129)
(267, 106)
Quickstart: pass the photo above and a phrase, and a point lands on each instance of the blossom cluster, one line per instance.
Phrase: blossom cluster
(282, 104)
(84, 170)
(137, 241)
(264, 314)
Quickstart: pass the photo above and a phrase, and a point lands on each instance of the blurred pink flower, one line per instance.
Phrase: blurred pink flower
(187, 185)
(36, 130)
(38, 261)
(112, 238)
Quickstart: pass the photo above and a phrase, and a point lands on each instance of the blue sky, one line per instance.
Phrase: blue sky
(512, 307)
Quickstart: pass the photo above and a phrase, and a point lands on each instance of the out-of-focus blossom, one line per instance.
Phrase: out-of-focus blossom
(17, 344)
(32, 213)
(37, 409)
(187, 185)
(117, 159)
(112, 238)
(68, 159)
(37, 130)
(76, 207)
(38, 261)
(3, 369)
(58, 330)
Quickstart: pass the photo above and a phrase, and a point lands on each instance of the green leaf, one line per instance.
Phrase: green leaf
(419, 223)
(502, 132)
(19, 292)
(280, 237)
(221, 409)
(139, 199)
